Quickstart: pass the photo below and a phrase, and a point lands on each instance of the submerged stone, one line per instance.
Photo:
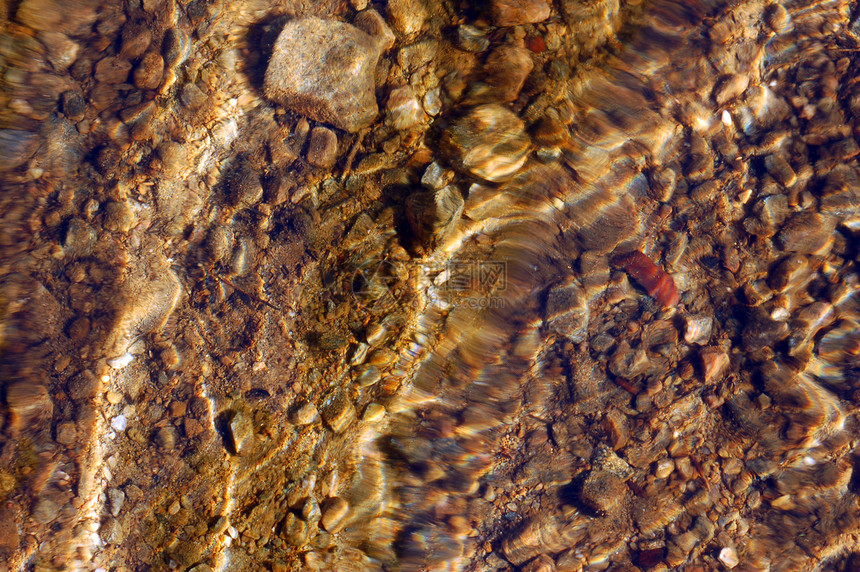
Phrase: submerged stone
(323, 69)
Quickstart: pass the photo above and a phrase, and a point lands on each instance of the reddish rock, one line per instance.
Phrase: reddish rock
(714, 363)
(615, 424)
(536, 44)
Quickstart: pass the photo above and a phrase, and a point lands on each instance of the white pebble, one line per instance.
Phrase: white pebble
(780, 314)
(119, 423)
(727, 118)
(432, 102)
(121, 361)
(97, 541)
(729, 557)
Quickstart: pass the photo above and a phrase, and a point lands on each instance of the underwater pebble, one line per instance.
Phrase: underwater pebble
(403, 109)
(407, 16)
(341, 92)
(16, 148)
(729, 557)
(489, 142)
(119, 423)
(121, 361)
(371, 22)
(518, 12)
(322, 148)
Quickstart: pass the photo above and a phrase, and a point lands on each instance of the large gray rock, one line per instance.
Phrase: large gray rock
(324, 69)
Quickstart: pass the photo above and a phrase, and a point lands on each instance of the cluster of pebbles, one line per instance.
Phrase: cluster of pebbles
(418, 285)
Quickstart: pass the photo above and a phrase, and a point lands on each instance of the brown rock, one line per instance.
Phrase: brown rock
(79, 328)
(244, 186)
(403, 109)
(192, 427)
(615, 424)
(535, 536)
(304, 414)
(165, 437)
(175, 48)
(602, 491)
(119, 217)
(338, 412)
(507, 68)
(172, 156)
(434, 215)
(112, 70)
(731, 87)
(697, 329)
(192, 96)
(9, 538)
(45, 510)
(489, 142)
(407, 16)
(102, 96)
(66, 433)
(781, 169)
(371, 22)
(149, 71)
(626, 362)
(776, 17)
(135, 39)
(567, 311)
(16, 148)
(808, 233)
(517, 12)
(70, 17)
(542, 563)
(62, 50)
(140, 119)
(73, 105)
(27, 399)
(241, 431)
(322, 149)
(334, 513)
(282, 155)
(178, 408)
